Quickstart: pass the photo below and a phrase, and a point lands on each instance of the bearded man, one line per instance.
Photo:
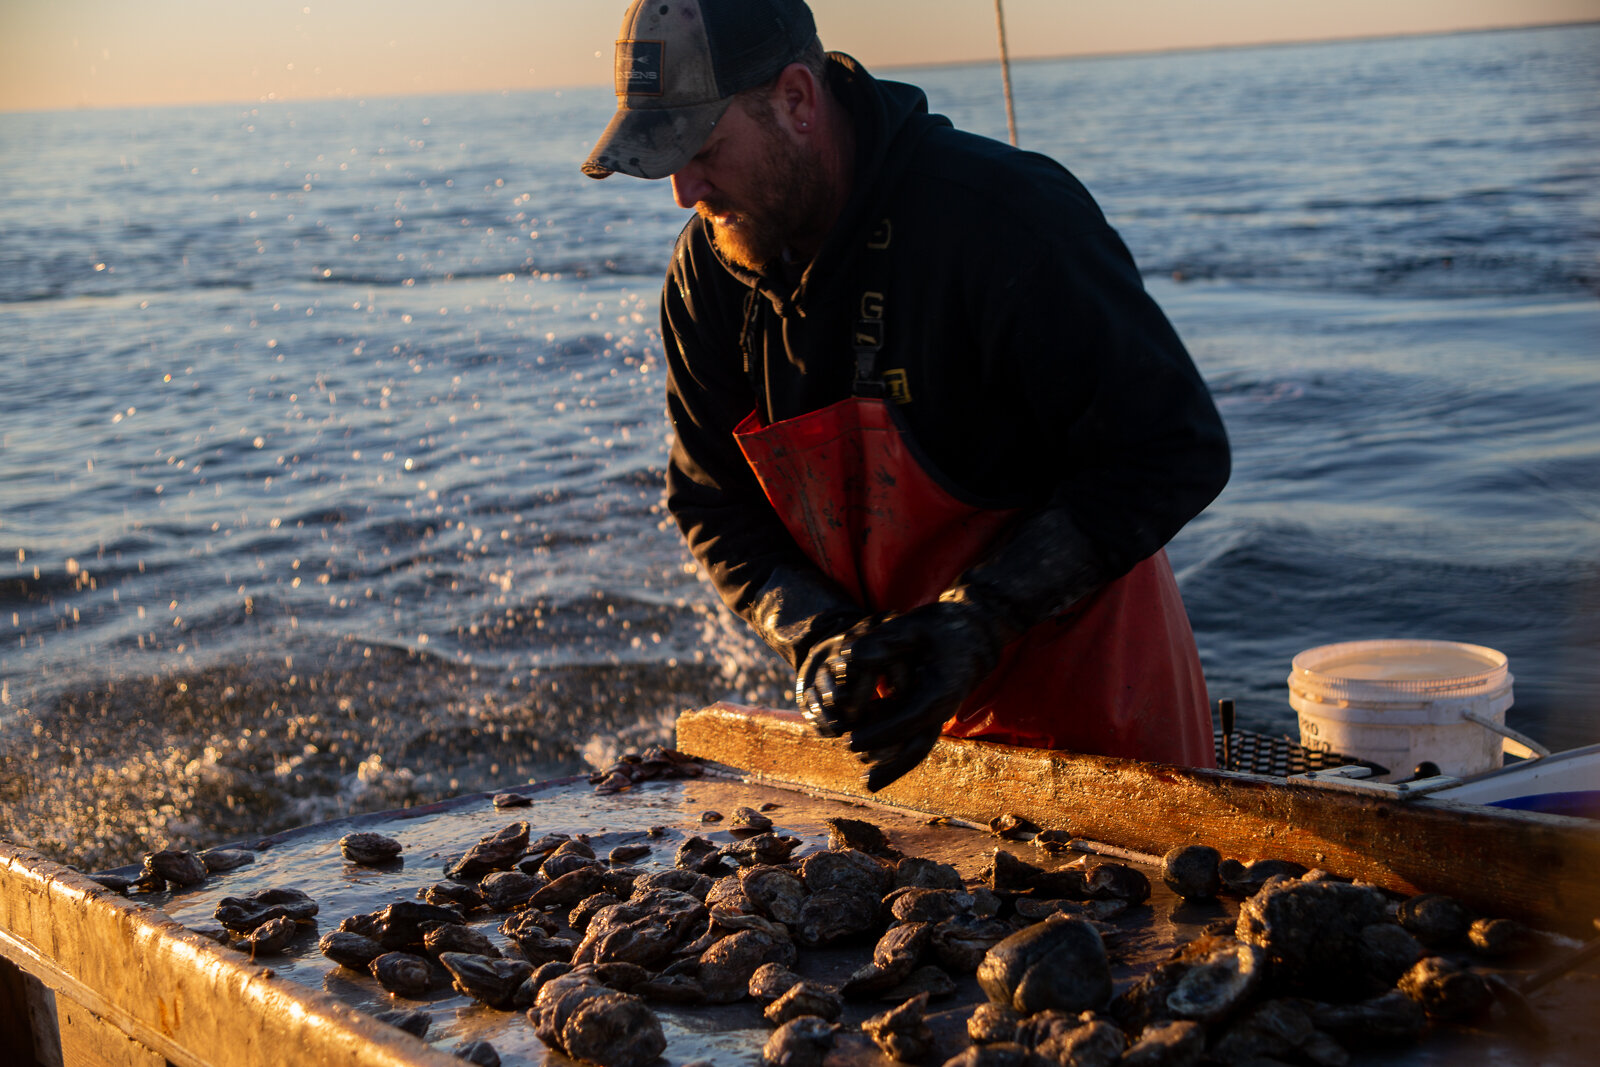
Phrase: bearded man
(931, 434)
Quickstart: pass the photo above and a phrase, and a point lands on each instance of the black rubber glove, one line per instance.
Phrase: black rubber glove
(892, 680)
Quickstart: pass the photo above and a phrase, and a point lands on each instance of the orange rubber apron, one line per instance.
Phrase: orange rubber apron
(1117, 674)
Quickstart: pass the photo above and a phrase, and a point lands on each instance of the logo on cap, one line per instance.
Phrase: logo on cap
(639, 68)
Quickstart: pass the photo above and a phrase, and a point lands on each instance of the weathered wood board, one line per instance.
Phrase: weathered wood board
(1543, 869)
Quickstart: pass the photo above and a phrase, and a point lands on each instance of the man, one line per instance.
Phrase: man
(931, 433)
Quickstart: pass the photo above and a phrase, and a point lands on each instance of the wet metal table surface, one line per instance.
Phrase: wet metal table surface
(309, 859)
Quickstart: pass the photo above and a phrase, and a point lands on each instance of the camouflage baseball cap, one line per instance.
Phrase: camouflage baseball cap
(679, 64)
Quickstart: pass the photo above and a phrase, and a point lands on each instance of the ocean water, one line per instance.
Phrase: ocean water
(333, 436)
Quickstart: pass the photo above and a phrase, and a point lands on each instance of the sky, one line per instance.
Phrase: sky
(124, 53)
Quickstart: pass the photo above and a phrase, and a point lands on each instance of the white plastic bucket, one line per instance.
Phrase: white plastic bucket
(1398, 703)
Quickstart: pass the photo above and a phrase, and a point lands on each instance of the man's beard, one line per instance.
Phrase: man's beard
(787, 199)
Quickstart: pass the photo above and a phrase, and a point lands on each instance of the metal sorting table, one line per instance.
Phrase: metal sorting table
(309, 859)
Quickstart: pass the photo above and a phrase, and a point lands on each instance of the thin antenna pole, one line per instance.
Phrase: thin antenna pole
(1005, 72)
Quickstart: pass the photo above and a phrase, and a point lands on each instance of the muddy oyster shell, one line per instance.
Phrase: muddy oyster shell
(628, 853)
(498, 851)
(926, 874)
(959, 944)
(771, 981)
(589, 1021)
(1436, 920)
(805, 998)
(846, 868)
(243, 914)
(749, 820)
(701, 856)
(835, 915)
(402, 973)
(492, 980)
(1498, 938)
(177, 866)
(1311, 932)
(458, 895)
(763, 848)
(1191, 871)
(218, 860)
(1392, 1019)
(1446, 990)
(570, 888)
(1087, 1041)
(802, 1042)
(369, 849)
(992, 1024)
(696, 885)
(1205, 980)
(894, 957)
(401, 925)
(480, 1053)
(861, 835)
(508, 890)
(350, 950)
(413, 1021)
(455, 937)
(1277, 1031)
(727, 966)
(902, 1032)
(1247, 879)
(1178, 1043)
(270, 938)
(1059, 963)
(774, 891)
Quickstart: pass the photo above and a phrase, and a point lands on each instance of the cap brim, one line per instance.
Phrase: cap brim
(653, 142)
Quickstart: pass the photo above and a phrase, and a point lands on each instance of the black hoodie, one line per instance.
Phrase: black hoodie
(1040, 373)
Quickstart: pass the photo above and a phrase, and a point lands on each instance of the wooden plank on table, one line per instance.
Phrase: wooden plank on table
(119, 967)
(1543, 869)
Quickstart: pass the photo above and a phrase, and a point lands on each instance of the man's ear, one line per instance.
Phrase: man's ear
(797, 96)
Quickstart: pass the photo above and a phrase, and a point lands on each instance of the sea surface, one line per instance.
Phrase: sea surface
(332, 434)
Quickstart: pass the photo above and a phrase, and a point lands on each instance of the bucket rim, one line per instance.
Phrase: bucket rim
(1305, 669)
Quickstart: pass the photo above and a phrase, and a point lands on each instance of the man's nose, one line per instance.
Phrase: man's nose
(689, 187)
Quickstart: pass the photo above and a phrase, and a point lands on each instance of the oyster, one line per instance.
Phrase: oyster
(508, 890)
(177, 866)
(727, 892)
(455, 937)
(992, 1024)
(1086, 1041)
(570, 888)
(270, 938)
(1059, 963)
(1002, 1054)
(585, 909)
(749, 820)
(861, 835)
(1052, 842)
(771, 981)
(846, 868)
(512, 800)
(1205, 980)
(1277, 1030)
(1191, 871)
(926, 979)
(402, 973)
(568, 858)
(1178, 1043)
(243, 914)
(701, 856)
(628, 853)
(727, 966)
(711, 816)
(1387, 952)
(480, 1053)
(926, 874)
(1498, 938)
(1115, 881)
(400, 925)
(894, 957)
(902, 1032)
(1247, 879)
(491, 980)
(1437, 921)
(763, 848)
(460, 896)
(589, 1021)
(1446, 990)
(805, 998)
(912, 904)
(836, 914)
(1393, 1018)
(350, 950)
(1012, 827)
(369, 849)
(498, 851)
(959, 944)
(218, 860)
(802, 1042)
(696, 885)
(774, 891)
(413, 1021)
(1311, 932)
